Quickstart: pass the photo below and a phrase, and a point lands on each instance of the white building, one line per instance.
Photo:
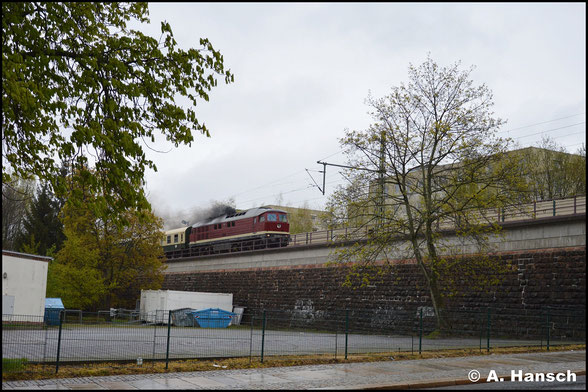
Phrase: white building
(155, 304)
(24, 283)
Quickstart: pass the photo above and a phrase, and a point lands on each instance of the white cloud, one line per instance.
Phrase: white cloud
(303, 70)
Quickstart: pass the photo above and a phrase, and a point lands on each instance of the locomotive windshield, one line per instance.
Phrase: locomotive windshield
(273, 217)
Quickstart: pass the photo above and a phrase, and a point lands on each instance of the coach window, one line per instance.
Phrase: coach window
(262, 219)
(271, 217)
(175, 238)
(169, 239)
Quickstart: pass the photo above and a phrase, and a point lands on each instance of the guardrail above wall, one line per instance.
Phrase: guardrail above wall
(530, 211)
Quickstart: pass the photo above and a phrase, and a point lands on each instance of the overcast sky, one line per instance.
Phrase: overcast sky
(303, 72)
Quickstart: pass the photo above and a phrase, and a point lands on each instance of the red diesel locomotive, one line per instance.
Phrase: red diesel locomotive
(256, 228)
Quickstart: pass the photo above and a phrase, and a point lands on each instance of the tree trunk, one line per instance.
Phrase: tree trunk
(437, 301)
(431, 279)
(436, 295)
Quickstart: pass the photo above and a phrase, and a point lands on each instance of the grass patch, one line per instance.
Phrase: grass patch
(433, 335)
(10, 365)
(45, 371)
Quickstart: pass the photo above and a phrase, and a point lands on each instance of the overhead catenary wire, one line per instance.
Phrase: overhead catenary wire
(515, 129)
(550, 130)
(300, 172)
(543, 122)
(269, 183)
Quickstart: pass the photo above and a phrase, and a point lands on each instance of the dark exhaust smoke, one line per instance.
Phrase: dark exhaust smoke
(197, 215)
(220, 210)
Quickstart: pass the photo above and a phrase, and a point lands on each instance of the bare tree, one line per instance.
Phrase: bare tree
(553, 172)
(430, 158)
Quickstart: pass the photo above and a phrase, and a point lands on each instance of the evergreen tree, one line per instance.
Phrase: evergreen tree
(42, 229)
(16, 196)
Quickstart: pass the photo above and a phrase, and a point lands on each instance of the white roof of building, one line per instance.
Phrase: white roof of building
(26, 255)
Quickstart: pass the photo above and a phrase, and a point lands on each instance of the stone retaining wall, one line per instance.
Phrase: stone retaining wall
(539, 281)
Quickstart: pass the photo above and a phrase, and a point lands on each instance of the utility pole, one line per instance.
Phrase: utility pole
(324, 176)
(380, 193)
(382, 171)
(325, 164)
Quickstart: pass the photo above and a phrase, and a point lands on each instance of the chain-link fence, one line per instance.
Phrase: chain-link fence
(261, 335)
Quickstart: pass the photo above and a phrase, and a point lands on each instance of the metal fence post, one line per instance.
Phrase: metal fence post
(481, 333)
(336, 338)
(488, 332)
(251, 337)
(262, 335)
(346, 331)
(61, 314)
(46, 327)
(154, 338)
(168, 336)
(548, 330)
(421, 332)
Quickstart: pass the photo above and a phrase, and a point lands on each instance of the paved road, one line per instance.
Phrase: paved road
(579, 384)
(129, 343)
(389, 374)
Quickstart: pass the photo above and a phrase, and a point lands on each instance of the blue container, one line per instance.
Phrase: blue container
(213, 318)
(53, 306)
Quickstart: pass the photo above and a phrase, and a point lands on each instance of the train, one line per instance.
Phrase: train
(252, 229)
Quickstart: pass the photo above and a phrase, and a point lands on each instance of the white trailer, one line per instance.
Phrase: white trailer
(155, 304)
(24, 283)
